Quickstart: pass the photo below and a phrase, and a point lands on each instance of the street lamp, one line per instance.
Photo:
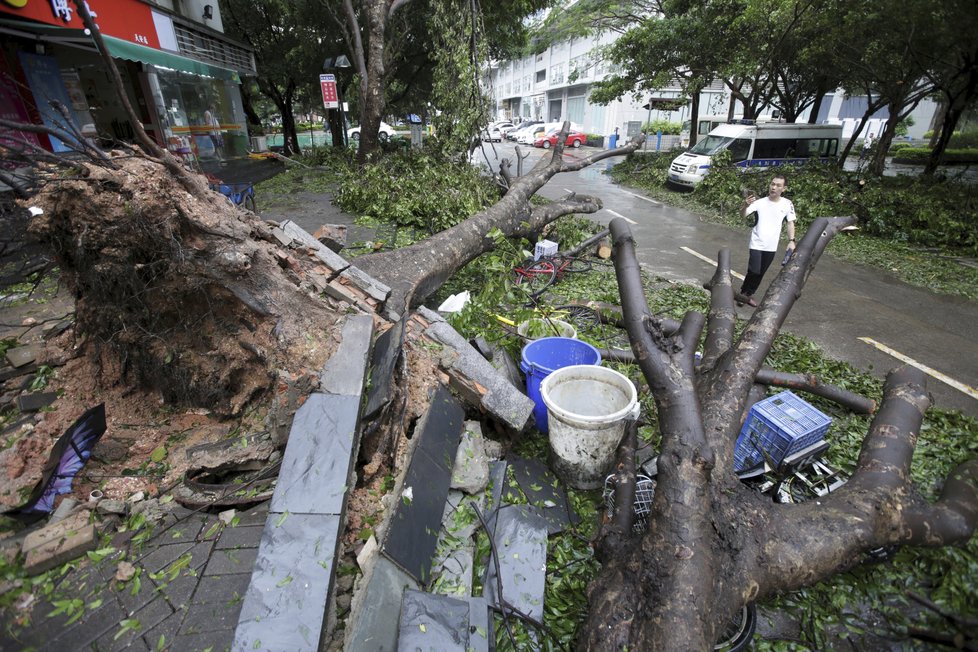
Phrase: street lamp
(337, 63)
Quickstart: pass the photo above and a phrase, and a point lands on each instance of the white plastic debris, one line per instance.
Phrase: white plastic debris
(455, 303)
(35, 211)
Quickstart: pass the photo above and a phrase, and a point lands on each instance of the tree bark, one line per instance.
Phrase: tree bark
(712, 544)
(417, 271)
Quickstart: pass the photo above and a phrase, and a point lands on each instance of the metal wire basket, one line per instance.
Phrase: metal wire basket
(644, 490)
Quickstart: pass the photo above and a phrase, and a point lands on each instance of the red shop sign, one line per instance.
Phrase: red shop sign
(129, 20)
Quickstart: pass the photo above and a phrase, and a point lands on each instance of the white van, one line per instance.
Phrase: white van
(756, 145)
(707, 123)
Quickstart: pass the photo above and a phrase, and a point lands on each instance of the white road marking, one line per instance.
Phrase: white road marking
(961, 387)
(621, 216)
(710, 260)
(651, 201)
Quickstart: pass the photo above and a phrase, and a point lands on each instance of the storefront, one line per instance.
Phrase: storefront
(181, 79)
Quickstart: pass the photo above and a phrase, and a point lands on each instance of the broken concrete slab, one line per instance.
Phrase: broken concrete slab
(357, 277)
(387, 351)
(544, 492)
(345, 371)
(23, 355)
(412, 532)
(500, 398)
(55, 544)
(520, 539)
(297, 233)
(284, 607)
(471, 470)
(36, 401)
(316, 464)
(371, 625)
(433, 622)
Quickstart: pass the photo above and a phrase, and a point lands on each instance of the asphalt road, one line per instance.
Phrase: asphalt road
(842, 306)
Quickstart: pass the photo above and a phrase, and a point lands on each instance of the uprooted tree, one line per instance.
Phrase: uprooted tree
(179, 291)
(712, 543)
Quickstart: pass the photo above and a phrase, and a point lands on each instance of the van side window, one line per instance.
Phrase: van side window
(775, 148)
(739, 149)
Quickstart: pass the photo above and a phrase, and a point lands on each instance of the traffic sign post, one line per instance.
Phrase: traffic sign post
(328, 85)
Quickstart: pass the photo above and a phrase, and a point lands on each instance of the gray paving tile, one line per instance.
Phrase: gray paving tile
(521, 540)
(345, 371)
(163, 556)
(179, 591)
(240, 537)
(167, 629)
(212, 641)
(231, 561)
(285, 605)
(374, 627)
(84, 632)
(316, 465)
(433, 622)
(148, 617)
(221, 589)
(254, 516)
(203, 618)
(184, 531)
(442, 429)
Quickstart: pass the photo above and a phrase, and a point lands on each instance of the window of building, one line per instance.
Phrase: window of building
(557, 74)
(575, 109)
(541, 76)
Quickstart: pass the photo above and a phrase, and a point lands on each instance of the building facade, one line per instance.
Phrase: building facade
(172, 55)
(555, 85)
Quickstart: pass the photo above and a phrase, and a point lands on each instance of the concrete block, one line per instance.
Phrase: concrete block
(285, 605)
(471, 471)
(345, 371)
(23, 355)
(297, 233)
(366, 283)
(372, 625)
(501, 398)
(35, 401)
(316, 465)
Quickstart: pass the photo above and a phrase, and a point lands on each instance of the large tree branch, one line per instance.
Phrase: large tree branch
(722, 317)
(734, 374)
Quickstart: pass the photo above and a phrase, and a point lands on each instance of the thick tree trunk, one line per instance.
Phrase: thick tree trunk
(415, 272)
(712, 544)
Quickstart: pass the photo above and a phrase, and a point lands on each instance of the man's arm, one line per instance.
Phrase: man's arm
(791, 234)
(748, 200)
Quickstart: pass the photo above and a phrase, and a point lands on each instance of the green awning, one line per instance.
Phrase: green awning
(117, 48)
(134, 52)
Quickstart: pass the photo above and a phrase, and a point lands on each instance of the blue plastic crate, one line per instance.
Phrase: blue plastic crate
(777, 427)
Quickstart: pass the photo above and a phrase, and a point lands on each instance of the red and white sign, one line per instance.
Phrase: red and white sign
(330, 98)
(129, 20)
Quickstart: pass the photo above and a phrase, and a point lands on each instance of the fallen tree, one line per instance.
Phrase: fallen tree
(713, 544)
(179, 291)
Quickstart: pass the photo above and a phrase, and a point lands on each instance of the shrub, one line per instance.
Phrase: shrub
(595, 140)
(415, 188)
(921, 154)
(665, 126)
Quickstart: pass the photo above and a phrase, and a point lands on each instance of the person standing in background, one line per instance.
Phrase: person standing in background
(214, 129)
(770, 213)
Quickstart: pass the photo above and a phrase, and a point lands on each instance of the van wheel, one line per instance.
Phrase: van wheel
(356, 136)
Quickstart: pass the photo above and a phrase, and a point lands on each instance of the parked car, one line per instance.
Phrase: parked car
(385, 132)
(492, 133)
(549, 139)
(511, 135)
(529, 135)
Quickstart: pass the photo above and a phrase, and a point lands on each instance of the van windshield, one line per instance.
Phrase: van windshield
(711, 145)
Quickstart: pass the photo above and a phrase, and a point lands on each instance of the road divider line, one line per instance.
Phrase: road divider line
(621, 216)
(930, 371)
(651, 201)
(709, 260)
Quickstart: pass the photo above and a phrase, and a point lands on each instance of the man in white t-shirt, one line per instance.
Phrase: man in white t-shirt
(770, 213)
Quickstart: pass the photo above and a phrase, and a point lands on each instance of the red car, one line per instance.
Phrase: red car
(549, 139)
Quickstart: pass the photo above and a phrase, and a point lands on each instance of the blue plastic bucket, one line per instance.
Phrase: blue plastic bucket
(543, 357)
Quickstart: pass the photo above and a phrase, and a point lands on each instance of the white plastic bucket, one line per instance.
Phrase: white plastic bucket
(588, 407)
(541, 328)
